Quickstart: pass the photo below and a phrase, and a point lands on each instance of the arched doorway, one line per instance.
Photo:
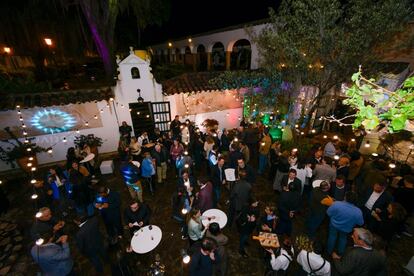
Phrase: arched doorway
(218, 56)
(177, 55)
(201, 58)
(188, 58)
(241, 55)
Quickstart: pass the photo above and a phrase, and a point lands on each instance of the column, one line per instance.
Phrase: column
(228, 60)
(208, 61)
(194, 62)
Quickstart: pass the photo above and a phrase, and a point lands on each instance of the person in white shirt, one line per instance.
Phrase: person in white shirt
(143, 139)
(310, 259)
(281, 262)
(303, 172)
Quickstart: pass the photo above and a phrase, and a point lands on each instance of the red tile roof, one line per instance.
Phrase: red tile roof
(63, 97)
(190, 82)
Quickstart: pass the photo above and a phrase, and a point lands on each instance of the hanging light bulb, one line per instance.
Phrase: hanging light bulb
(19, 112)
(101, 111)
(33, 181)
(302, 133)
(335, 137)
(29, 164)
(64, 140)
(77, 131)
(30, 158)
(23, 126)
(34, 196)
(24, 133)
(29, 149)
(21, 119)
(392, 165)
(33, 169)
(38, 214)
(86, 124)
(186, 166)
(263, 144)
(324, 137)
(95, 117)
(296, 126)
(186, 153)
(122, 106)
(313, 131)
(367, 145)
(235, 139)
(50, 151)
(111, 99)
(26, 141)
(353, 140)
(374, 154)
(336, 157)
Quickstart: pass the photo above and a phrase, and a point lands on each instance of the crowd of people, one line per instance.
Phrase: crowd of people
(328, 183)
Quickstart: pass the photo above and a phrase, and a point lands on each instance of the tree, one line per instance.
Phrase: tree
(322, 42)
(378, 108)
(101, 18)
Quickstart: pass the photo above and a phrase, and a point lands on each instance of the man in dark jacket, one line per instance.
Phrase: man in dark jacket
(339, 188)
(250, 174)
(204, 198)
(137, 215)
(376, 200)
(362, 259)
(161, 157)
(234, 155)
(175, 127)
(289, 202)
(239, 197)
(218, 178)
(89, 241)
(294, 183)
(109, 203)
(187, 181)
(318, 207)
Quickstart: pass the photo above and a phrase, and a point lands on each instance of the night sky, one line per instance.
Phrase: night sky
(193, 17)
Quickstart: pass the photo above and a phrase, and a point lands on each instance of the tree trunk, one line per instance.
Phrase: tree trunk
(102, 44)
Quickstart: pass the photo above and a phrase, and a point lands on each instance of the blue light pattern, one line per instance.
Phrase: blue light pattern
(53, 121)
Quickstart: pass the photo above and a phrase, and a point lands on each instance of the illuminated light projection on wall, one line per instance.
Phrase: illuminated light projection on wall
(53, 121)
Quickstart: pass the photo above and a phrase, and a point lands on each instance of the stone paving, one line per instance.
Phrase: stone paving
(15, 246)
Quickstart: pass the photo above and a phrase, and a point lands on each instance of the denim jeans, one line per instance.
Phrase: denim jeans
(336, 236)
(262, 163)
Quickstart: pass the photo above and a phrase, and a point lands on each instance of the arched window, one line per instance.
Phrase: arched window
(241, 55)
(218, 56)
(135, 73)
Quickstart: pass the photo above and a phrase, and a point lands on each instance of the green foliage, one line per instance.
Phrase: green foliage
(90, 140)
(16, 149)
(321, 42)
(376, 105)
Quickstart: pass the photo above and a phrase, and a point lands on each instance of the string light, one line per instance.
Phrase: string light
(39, 241)
(374, 154)
(335, 137)
(29, 164)
(184, 211)
(95, 117)
(353, 140)
(38, 214)
(77, 131)
(64, 140)
(392, 165)
(50, 151)
(101, 110)
(33, 169)
(367, 145)
(33, 181)
(86, 124)
(324, 137)
(336, 157)
(34, 196)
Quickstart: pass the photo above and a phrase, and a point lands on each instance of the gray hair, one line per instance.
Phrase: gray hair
(365, 235)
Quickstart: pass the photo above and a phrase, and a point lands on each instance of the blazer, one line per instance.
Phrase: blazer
(192, 179)
(89, 238)
(240, 194)
(295, 185)
(205, 198)
(215, 175)
(381, 203)
(53, 259)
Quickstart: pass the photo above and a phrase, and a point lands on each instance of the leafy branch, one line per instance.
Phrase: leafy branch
(377, 106)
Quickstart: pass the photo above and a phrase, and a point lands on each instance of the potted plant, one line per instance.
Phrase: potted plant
(90, 140)
(21, 153)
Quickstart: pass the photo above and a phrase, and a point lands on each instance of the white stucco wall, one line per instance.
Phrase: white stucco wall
(125, 92)
(227, 38)
(227, 118)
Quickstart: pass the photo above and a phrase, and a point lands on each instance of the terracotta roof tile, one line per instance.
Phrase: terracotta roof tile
(63, 97)
(190, 82)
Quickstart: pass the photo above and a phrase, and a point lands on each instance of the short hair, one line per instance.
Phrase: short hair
(272, 208)
(341, 177)
(351, 197)
(102, 189)
(293, 171)
(365, 235)
(215, 147)
(214, 228)
(327, 159)
(240, 158)
(133, 201)
(221, 158)
(324, 184)
(208, 244)
(44, 209)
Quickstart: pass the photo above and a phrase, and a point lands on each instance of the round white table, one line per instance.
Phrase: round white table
(145, 240)
(219, 216)
(88, 158)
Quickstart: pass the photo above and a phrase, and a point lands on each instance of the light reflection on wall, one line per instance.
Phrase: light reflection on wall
(53, 121)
